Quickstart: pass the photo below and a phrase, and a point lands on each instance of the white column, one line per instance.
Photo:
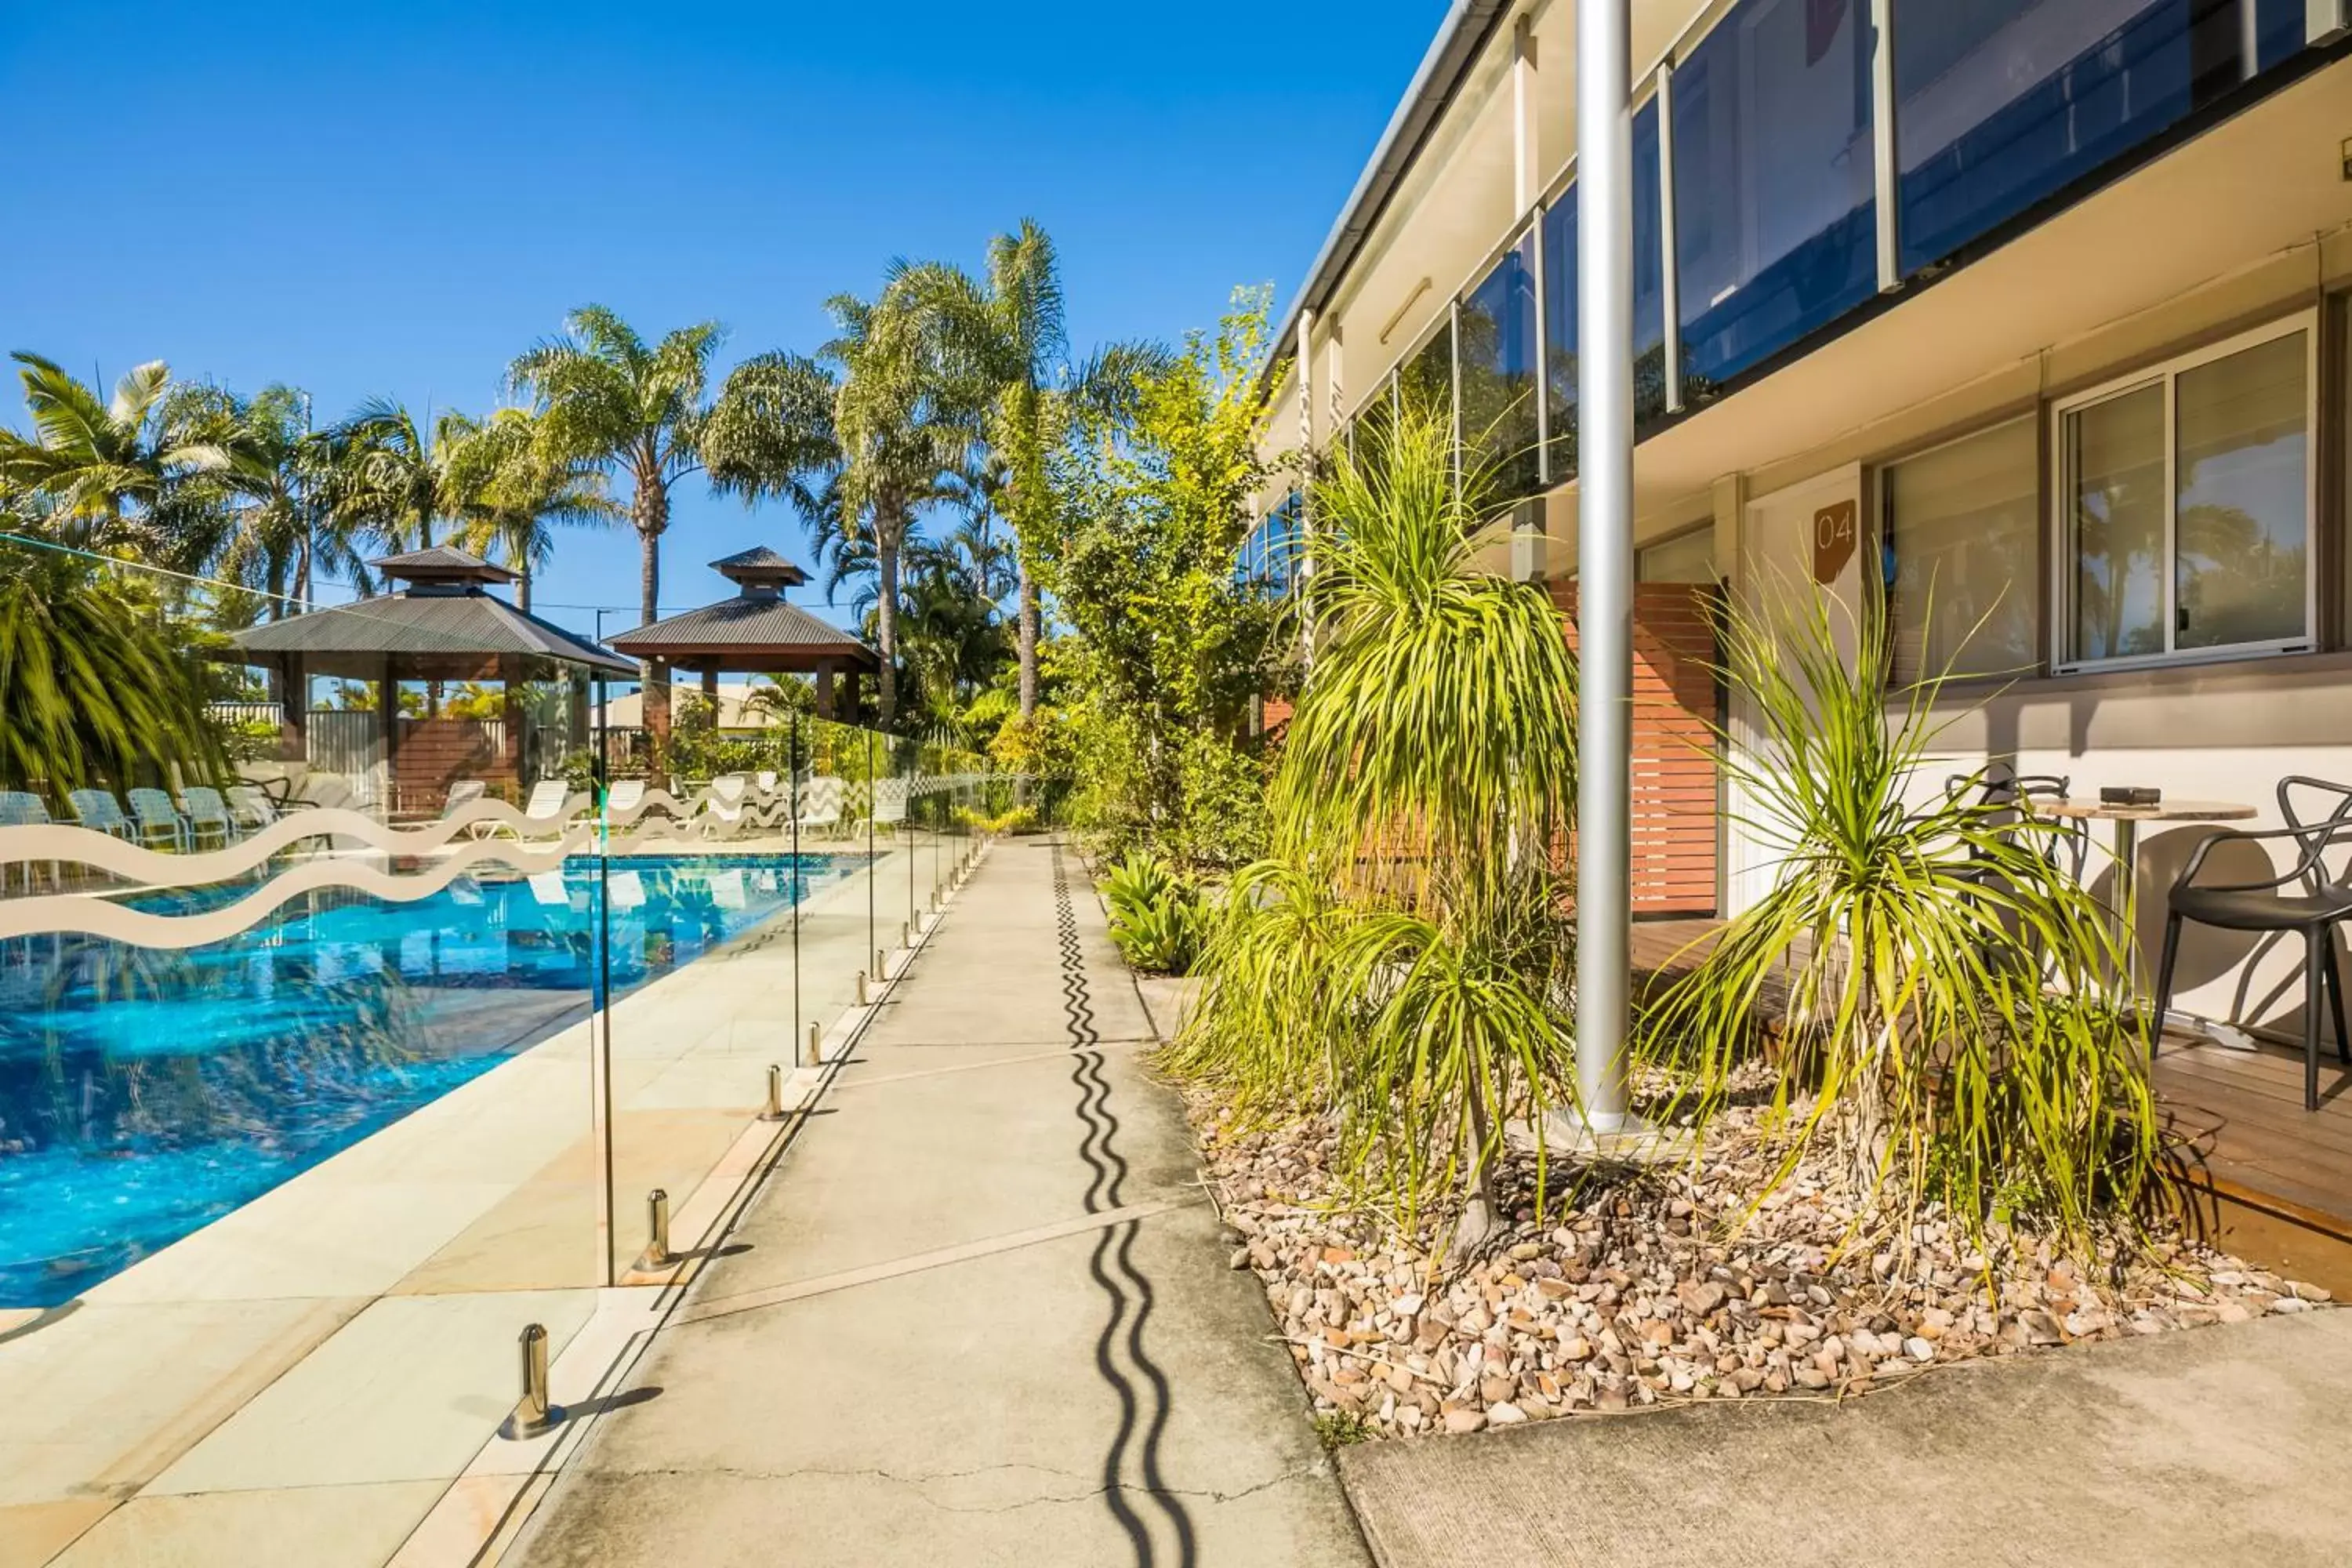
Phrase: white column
(1522, 110)
(1605, 140)
(2322, 19)
(1884, 170)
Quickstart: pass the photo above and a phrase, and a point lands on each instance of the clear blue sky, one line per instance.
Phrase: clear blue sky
(396, 198)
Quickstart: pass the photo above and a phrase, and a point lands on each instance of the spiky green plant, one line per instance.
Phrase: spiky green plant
(94, 686)
(1437, 731)
(1945, 1029)
(1401, 959)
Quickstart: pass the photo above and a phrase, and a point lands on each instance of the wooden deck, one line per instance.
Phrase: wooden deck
(2244, 1110)
(2241, 1111)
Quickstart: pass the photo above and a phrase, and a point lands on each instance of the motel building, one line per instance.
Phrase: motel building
(2023, 316)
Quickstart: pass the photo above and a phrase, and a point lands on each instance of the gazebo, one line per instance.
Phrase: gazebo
(443, 628)
(754, 633)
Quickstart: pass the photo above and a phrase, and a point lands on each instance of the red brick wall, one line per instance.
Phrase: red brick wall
(1675, 774)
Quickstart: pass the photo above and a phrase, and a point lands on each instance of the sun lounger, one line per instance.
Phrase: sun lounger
(207, 813)
(98, 811)
(157, 820)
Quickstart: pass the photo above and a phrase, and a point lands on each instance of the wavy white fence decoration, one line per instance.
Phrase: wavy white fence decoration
(88, 914)
(332, 847)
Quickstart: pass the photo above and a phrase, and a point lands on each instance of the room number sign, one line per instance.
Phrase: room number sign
(1834, 531)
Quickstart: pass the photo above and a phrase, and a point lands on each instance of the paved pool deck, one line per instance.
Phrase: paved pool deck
(316, 1378)
(2209, 1448)
(978, 1314)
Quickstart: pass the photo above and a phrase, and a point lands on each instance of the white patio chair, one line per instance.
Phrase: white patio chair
(543, 813)
(157, 820)
(818, 806)
(723, 812)
(624, 797)
(208, 815)
(22, 808)
(250, 804)
(890, 801)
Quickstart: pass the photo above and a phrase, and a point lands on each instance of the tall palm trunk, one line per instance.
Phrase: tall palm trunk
(649, 510)
(523, 593)
(1030, 617)
(889, 532)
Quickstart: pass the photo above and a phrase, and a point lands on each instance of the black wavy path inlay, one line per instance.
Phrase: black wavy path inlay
(1113, 1266)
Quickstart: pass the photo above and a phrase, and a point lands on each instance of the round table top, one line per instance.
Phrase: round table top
(2164, 811)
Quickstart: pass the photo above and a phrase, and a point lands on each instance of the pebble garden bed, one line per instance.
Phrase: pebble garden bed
(1646, 1292)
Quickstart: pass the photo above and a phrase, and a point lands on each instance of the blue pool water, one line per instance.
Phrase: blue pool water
(145, 1093)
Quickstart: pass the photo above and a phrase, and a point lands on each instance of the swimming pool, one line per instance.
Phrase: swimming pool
(145, 1093)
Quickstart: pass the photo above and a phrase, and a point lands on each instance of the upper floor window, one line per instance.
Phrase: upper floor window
(2185, 495)
(1498, 349)
(1999, 103)
(1774, 216)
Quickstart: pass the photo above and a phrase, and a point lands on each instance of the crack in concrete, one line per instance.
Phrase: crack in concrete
(921, 1482)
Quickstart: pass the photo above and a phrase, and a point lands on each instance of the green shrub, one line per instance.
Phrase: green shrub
(1947, 1035)
(1158, 919)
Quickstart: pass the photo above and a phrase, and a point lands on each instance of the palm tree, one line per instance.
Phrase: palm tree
(291, 489)
(108, 469)
(607, 397)
(1008, 335)
(399, 482)
(507, 488)
(902, 435)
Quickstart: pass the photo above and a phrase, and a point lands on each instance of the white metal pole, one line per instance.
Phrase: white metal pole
(1605, 140)
(1886, 184)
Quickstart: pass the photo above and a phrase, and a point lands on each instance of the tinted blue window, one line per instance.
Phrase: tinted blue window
(1425, 382)
(1559, 230)
(1774, 221)
(1559, 330)
(1498, 354)
(1999, 103)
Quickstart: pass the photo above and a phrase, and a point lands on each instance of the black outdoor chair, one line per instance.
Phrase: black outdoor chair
(2017, 793)
(2310, 899)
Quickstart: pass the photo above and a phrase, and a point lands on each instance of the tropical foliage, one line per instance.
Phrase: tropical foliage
(1399, 962)
(1168, 650)
(97, 684)
(1940, 971)
(607, 397)
(1157, 918)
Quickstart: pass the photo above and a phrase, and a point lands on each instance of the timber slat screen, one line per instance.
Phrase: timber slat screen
(1676, 704)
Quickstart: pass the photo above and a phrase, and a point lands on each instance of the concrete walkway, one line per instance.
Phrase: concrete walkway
(979, 1314)
(2213, 1446)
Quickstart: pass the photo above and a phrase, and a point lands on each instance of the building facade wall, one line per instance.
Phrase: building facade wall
(2079, 190)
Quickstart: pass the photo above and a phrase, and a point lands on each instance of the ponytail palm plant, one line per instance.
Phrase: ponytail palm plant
(1402, 961)
(1946, 1030)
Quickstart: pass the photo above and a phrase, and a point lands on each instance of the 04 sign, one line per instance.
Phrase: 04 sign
(1835, 530)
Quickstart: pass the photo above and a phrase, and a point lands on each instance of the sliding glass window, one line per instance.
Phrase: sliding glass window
(2001, 103)
(1425, 380)
(1774, 221)
(1499, 352)
(2186, 496)
(1962, 538)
